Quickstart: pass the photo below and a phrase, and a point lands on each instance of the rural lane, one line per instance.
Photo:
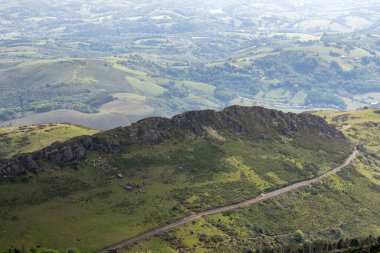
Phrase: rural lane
(246, 203)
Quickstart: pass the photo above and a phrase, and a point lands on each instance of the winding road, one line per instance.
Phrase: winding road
(246, 203)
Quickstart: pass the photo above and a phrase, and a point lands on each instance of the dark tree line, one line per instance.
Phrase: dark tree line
(369, 244)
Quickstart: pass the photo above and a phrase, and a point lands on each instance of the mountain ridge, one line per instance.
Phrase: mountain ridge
(255, 122)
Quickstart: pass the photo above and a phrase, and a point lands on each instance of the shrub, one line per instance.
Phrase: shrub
(299, 236)
(73, 250)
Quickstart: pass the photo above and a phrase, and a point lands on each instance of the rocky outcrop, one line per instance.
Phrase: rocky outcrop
(57, 153)
(253, 122)
(257, 122)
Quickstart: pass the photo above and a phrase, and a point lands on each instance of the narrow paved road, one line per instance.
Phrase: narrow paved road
(246, 203)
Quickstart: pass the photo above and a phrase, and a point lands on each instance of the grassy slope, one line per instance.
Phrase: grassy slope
(344, 205)
(24, 139)
(97, 73)
(364, 126)
(85, 206)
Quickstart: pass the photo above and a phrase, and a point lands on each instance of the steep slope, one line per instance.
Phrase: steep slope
(340, 207)
(94, 191)
(247, 203)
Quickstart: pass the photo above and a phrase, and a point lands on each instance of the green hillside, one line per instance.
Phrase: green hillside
(193, 162)
(25, 139)
(342, 206)
(362, 127)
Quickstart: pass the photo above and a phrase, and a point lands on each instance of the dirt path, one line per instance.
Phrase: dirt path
(246, 203)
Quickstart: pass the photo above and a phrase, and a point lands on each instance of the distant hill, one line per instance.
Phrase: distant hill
(109, 66)
(98, 93)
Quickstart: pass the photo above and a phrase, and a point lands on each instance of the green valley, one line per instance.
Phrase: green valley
(179, 58)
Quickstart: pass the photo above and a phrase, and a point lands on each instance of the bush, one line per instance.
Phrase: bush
(299, 236)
